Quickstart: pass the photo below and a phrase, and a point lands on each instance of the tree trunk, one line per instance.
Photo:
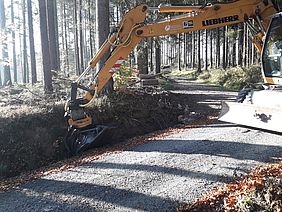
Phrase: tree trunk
(190, 50)
(15, 69)
(103, 30)
(179, 52)
(193, 51)
(76, 45)
(245, 46)
(25, 61)
(52, 34)
(185, 51)
(224, 49)
(151, 54)
(218, 48)
(81, 39)
(206, 50)
(5, 57)
(62, 24)
(31, 43)
(46, 61)
(66, 30)
(142, 58)
(240, 44)
(157, 55)
(58, 61)
(211, 49)
(199, 69)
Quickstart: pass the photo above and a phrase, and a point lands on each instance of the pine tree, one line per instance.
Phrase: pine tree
(45, 47)
(3, 37)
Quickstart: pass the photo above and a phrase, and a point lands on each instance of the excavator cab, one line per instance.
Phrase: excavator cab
(272, 52)
(256, 108)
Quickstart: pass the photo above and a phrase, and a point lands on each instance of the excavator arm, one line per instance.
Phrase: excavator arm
(134, 28)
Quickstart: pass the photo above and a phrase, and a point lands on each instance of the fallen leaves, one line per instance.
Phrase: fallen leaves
(262, 188)
(95, 154)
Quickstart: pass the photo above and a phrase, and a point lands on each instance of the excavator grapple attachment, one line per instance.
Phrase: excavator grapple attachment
(79, 140)
(252, 115)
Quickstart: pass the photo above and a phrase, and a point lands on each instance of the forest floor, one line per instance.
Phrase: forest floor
(33, 125)
(189, 151)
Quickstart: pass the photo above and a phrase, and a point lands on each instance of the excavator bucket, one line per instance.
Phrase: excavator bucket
(262, 117)
(79, 140)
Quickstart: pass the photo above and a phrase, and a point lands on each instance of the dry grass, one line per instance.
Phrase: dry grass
(234, 78)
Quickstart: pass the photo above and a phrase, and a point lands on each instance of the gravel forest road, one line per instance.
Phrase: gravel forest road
(155, 176)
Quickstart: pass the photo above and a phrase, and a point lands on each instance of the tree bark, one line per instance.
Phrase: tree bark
(218, 48)
(5, 57)
(58, 61)
(81, 39)
(51, 24)
(151, 54)
(206, 50)
(157, 56)
(224, 49)
(199, 69)
(179, 52)
(193, 51)
(25, 61)
(185, 53)
(66, 39)
(46, 61)
(103, 30)
(211, 49)
(15, 69)
(240, 44)
(142, 57)
(31, 43)
(76, 40)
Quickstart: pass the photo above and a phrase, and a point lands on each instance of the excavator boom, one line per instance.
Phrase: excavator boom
(133, 28)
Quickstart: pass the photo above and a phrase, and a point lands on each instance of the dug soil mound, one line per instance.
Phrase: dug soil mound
(32, 132)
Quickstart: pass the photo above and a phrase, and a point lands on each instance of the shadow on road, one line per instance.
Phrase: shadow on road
(84, 196)
(225, 149)
(18, 201)
(155, 169)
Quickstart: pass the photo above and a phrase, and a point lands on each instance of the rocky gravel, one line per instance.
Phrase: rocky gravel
(156, 176)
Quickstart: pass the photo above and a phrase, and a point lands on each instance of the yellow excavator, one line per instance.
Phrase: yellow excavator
(262, 109)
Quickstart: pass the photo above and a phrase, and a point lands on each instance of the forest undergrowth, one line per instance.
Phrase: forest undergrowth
(33, 124)
(231, 78)
(33, 128)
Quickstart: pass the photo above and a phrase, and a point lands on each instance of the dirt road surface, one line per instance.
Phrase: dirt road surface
(155, 176)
